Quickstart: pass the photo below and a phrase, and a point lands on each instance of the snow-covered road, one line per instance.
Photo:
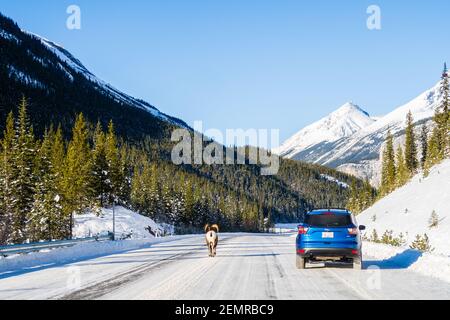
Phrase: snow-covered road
(248, 266)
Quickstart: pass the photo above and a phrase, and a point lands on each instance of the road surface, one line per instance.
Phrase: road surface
(248, 266)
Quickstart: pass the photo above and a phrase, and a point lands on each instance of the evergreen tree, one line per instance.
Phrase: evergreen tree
(422, 243)
(444, 122)
(136, 195)
(58, 154)
(439, 141)
(424, 144)
(410, 146)
(442, 118)
(369, 195)
(77, 169)
(155, 198)
(403, 174)
(362, 197)
(45, 220)
(23, 184)
(172, 204)
(60, 226)
(37, 219)
(388, 166)
(353, 202)
(126, 171)
(434, 150)
(189, 204)
(100, 178)
(6, 181)
(115, 165)
(145, 191)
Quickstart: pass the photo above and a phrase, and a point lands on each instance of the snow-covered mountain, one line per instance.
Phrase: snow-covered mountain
(76, 66)
(358, 152)
(58, 86)
(342, 123)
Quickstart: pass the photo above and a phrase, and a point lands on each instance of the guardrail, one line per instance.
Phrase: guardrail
(38, 246)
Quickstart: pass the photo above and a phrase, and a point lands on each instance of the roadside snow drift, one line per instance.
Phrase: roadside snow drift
(389, 257)
(408, 210)
(80, 252)
(128, 223)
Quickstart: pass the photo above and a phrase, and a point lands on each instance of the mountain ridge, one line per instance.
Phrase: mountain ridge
(343, 122)
(359, 152)
(66, 56)
(50, 76)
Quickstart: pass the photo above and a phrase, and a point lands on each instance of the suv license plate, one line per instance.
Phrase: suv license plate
(327, 235)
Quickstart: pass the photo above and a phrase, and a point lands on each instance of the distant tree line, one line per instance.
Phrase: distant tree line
(45, 181)
(401, 164)
(398, 168)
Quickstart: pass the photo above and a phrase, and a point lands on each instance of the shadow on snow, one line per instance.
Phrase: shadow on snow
(400, 261)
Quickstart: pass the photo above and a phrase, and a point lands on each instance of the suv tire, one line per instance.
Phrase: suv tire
(357, 263)
(300, 262)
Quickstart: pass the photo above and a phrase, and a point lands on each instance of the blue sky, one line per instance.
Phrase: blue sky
(254, 63)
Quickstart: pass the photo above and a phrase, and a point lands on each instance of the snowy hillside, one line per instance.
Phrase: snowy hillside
(342, 123)
(76, 66)
(408, 209)
(127, 223)
(70, 65)
(358, 153)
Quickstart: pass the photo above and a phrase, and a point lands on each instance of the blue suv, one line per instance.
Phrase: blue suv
(329, 235)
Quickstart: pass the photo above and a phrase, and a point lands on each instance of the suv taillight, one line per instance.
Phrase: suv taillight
(353, 231)
(302, 230)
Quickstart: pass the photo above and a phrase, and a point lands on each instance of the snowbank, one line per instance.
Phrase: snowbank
(286, 227)
(408, 210)
(127, 223)
(83, 251)
(388, 257)
(333, 179)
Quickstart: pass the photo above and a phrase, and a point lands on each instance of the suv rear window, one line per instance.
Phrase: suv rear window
(328, 221)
